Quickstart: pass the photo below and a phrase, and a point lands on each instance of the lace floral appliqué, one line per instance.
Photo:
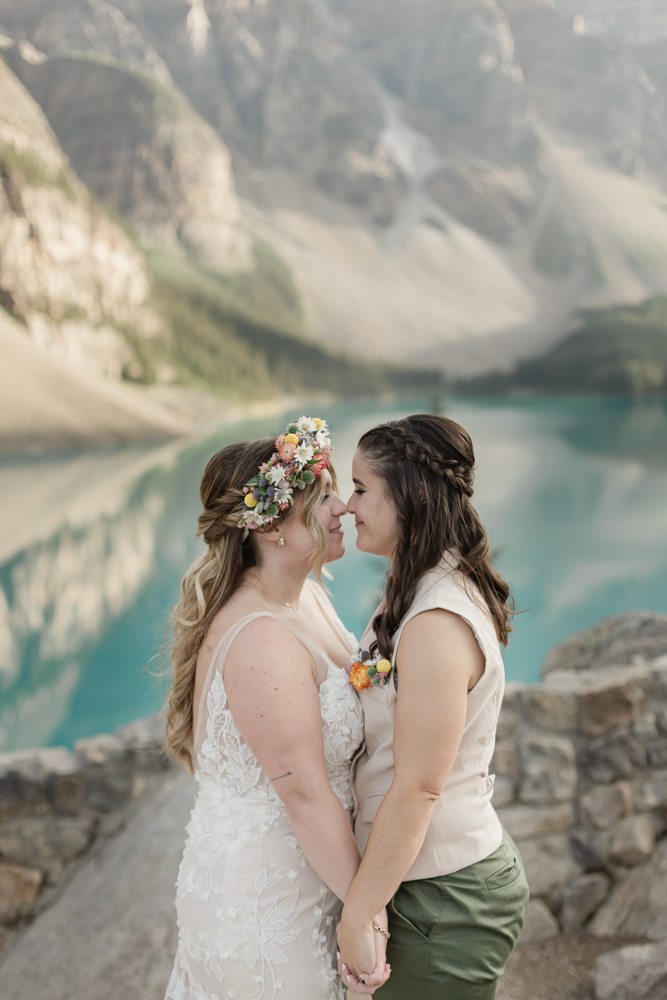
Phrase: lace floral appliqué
(255, 921)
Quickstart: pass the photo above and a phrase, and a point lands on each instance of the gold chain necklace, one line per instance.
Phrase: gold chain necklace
(292, 607)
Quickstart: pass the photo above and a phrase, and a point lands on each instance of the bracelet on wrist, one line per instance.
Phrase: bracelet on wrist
(382, 931)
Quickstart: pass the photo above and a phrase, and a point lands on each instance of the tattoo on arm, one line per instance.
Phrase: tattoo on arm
(286, 775)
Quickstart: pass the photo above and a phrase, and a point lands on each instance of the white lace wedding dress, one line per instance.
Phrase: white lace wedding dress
(255, 921)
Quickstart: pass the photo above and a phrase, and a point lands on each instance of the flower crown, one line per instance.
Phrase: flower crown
(301, 455)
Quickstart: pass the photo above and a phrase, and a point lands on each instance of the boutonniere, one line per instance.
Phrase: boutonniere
(365, 670)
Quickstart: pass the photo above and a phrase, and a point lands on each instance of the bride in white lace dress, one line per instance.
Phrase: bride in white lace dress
(262, 709)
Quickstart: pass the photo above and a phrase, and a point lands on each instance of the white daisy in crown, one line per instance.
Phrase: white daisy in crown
(304, 453)
(276, 474)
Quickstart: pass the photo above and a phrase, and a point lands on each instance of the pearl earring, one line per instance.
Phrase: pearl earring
(281, 541)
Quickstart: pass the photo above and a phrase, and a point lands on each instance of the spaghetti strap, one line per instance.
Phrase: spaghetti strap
(220, 653)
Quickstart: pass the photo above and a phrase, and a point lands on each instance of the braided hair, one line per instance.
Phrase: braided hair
(215, 576)
(212, 579)
(426, 462)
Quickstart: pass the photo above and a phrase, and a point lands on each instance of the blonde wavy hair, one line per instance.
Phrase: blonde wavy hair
(214, 577)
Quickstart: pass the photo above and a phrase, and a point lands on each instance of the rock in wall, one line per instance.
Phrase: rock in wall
(54, 803)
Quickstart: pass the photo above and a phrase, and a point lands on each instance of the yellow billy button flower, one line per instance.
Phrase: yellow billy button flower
(250, 500)
(291, 439)
(318, 423)
(383, 666)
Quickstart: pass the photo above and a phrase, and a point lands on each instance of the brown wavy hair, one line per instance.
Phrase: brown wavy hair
(427, 465)
(215, 576)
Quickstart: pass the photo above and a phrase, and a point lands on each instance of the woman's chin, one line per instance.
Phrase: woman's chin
(336, 551)
(364, 546)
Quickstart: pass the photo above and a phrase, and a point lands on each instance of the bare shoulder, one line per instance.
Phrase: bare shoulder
(268, 642)
(442, 636)
(437, 623)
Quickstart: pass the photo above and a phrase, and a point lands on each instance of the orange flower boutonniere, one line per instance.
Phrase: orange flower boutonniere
(366, 671)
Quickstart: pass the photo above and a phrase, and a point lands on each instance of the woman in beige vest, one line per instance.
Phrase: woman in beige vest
(430, 677)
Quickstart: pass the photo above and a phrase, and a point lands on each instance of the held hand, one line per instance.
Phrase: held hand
(365, 949)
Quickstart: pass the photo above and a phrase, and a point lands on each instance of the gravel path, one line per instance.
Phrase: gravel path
(558, 969)
(112, 933)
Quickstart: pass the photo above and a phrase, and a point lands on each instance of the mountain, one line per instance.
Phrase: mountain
(71, 282)
(616, 350)
(86, 315)
(68, 273)
(50, 404)
(448, 181)
(135, 141)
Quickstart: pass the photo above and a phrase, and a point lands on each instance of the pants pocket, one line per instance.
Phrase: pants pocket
(397, 909)
(509, 873)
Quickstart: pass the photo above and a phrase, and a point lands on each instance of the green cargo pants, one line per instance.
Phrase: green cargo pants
(451, 936)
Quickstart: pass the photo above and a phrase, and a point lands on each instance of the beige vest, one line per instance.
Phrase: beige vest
(465, 827)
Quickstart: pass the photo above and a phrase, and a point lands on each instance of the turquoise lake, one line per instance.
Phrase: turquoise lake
(573, 493)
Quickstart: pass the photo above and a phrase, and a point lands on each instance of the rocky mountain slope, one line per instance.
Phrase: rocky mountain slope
(50, 404)
(83, 307)
(136, 142)
(68, 273)
(447, 180)
(70, 283)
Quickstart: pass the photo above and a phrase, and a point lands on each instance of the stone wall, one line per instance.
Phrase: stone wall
(581, 784)
(56, 803)
(581, 781)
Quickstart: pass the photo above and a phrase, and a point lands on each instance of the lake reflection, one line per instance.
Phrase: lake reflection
(93, 547)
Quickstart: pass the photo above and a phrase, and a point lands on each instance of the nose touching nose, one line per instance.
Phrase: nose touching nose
(340, 508)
